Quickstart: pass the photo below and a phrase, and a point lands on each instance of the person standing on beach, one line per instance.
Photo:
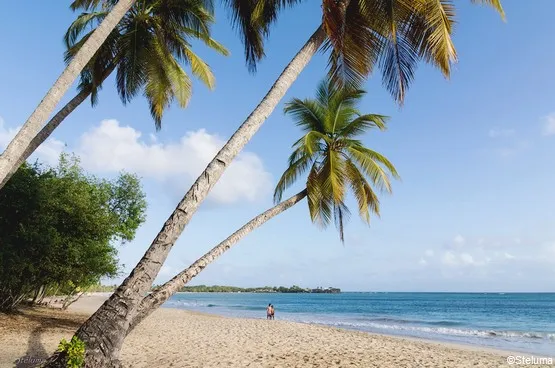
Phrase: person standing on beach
(269, 311)
(272, 311)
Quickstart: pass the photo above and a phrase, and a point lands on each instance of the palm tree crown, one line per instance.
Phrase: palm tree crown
(147, 49)
(333, 156)
(361, 34)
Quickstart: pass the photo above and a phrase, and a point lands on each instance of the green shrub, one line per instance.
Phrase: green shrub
(74, 350)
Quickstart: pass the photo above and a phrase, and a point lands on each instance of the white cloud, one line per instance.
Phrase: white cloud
(449, 259)
(429, 253)
(549, 124)
(459, 240)
(467, 259)
(501, 133)
(510, 143)
(513, 149)
(111, 147)
(48, 152)
(453, 259)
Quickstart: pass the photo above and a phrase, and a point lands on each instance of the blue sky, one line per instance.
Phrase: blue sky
(476, 153)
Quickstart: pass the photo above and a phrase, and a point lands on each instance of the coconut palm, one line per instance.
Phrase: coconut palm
(145, 49)
(19, 144)
(392, 34)
(335, 161)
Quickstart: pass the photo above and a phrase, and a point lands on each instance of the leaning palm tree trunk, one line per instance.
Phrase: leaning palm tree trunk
(104, 332)
(164, 292)
(20, 143)
(46, 131)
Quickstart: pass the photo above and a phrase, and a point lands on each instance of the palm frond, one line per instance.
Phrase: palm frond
(193, 14)
(334, 21)
(208, 41)
(338, 104)
(200, 69)
(78, 26)
(369, 162)
(307, 114)
(367, 200)
(496, 4)
(431, 27)
(295, 169)
(363, 123)
(399, 58)
(136, 52)
(320, 205)
(353, 48)
(313, 142)
(340, 215)
(158, 91)
(253, 19)
(165, 80)
(92, 4)
(333, 171)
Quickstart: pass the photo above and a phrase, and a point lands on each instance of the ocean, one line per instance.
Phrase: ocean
(519, 322)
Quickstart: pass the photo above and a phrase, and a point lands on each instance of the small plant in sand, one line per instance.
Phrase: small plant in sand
(74, 351)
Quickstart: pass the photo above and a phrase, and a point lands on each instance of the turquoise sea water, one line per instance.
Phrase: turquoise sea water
(509, 321)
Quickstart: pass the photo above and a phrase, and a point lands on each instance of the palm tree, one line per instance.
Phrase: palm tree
(393, 34)
(20, 142)
(148, 62)
(335, 161)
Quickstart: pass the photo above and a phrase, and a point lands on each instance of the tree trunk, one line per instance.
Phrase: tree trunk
(37, 293)
(51, 299)
(79, 295)
(21, 141)
(104, 332)
(163, 293)
(46, 131)
(42, 294)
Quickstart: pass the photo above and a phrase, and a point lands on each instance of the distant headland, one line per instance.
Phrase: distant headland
(265, 289)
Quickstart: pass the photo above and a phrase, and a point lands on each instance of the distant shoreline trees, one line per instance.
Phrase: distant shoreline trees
(265, 289)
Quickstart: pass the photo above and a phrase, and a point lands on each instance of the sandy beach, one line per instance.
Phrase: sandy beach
(177, 338)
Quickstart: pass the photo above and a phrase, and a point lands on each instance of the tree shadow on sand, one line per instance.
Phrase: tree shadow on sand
(36, 353)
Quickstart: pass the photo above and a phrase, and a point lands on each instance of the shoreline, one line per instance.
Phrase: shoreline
(182, 338)
(454, 345)
(89, 307)
(529, 343)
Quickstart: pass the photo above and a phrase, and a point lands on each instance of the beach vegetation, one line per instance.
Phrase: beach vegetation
(60, 227)
(74, 351)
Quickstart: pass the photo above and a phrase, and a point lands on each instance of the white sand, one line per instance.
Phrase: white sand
(177, 338)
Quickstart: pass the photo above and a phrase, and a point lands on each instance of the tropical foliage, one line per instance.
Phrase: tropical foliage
(59, 229)
(333, 156)
(147, 49)
(393, 35)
